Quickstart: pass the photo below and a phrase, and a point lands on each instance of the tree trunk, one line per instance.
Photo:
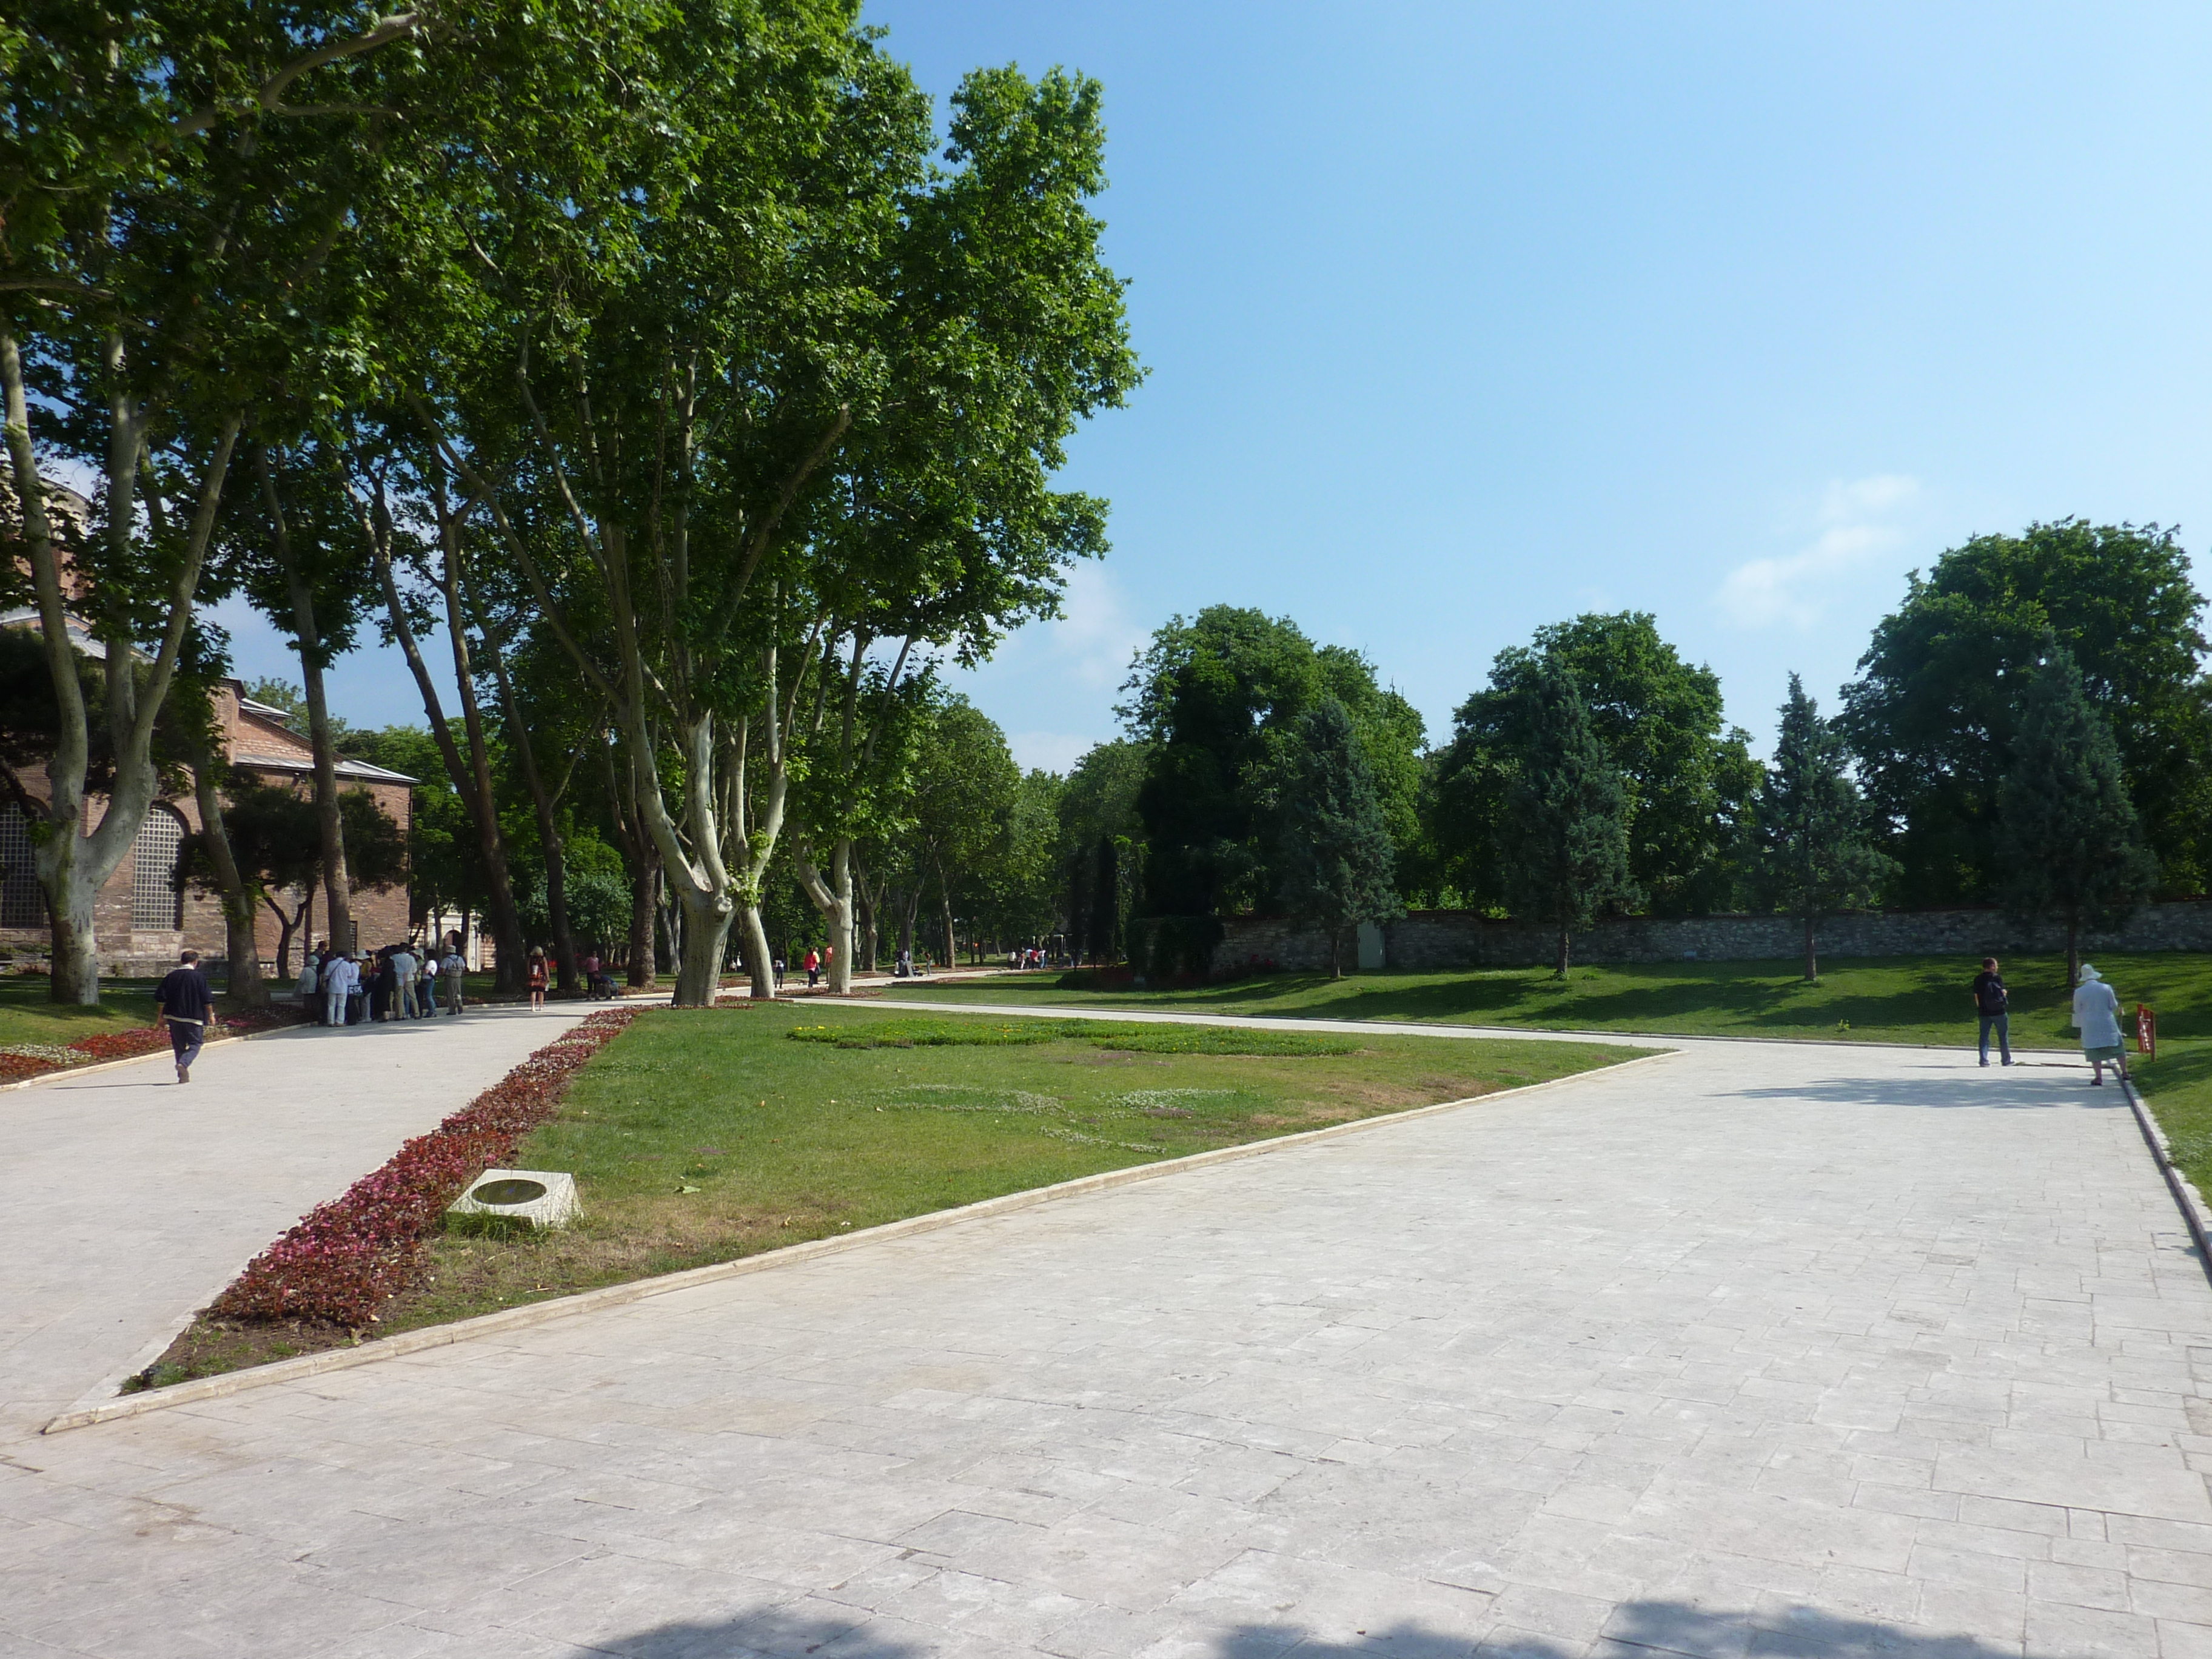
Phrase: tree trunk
(242, 938)
(643, 860)
(73, 865)
(1336, 953)
(307, 641)
(549, 823)
(945, 900)
(2073, 954)
(706, 918)
(833, 896)
(760, 958)
(76, 946)
(1565, 941)
(471, 776)
(642, 968)
(1812, 955)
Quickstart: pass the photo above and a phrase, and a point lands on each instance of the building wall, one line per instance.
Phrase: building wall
(130, 951)
(1461, 939)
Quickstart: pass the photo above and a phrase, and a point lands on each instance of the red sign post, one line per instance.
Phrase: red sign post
(2146, 1031)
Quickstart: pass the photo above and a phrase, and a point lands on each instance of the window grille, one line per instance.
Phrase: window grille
(21, 903)
(155, 906)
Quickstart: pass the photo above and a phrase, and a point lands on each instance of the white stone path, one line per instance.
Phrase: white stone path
(126, 1201)
(1765, 1350)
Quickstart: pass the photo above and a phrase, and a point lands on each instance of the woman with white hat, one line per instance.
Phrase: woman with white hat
(2097, 1015)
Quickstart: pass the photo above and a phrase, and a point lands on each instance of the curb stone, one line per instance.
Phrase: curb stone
(60, 1072)
(612, 1296)
(2186, 1198)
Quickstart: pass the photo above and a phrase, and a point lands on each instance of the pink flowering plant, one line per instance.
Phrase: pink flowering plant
(351, 1256)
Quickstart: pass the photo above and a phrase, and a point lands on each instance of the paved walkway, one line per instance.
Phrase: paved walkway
(129, 1201)
(1757, 1350)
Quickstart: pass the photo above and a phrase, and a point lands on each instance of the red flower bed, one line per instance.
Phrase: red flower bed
(352, 1256)
(139, 1040)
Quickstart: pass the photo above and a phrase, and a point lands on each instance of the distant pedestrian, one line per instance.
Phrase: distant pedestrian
(405, 968)
(778, 965)
(2097, 1016)
(428, 994)
(812, 962)
(309, 986)
(337, 987)
(183, 1003)
(1990, 1003)
(536, 978)
(450, 970)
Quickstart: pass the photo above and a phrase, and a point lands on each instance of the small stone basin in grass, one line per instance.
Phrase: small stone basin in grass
(542, 1199)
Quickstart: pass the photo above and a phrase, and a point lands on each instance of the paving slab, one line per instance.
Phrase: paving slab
(1763, 1350)
(132, 1199)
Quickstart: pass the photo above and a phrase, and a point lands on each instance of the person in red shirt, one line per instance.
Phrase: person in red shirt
(536, 978)
(813, 966)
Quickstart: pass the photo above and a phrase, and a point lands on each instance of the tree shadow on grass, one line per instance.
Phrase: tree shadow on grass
(1646, 1629)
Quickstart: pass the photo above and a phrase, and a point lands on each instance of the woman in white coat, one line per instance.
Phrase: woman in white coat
(2097, 1016)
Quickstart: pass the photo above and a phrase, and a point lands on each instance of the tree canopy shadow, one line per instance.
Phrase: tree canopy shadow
(1651, 1628)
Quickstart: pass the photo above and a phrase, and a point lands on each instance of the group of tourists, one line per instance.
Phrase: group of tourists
(399, 981)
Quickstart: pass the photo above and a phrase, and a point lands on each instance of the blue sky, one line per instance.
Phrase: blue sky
(1462, 319)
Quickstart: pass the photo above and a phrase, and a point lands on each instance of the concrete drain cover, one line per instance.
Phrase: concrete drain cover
(543, 1198)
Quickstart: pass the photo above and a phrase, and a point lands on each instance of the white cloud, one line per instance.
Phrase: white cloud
(1094, 638)
(1797, 587)
(1862, 498)
(1049, 751)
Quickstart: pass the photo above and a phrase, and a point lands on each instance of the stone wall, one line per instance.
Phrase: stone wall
(1461, 939)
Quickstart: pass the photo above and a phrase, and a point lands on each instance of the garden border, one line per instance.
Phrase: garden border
(60, 1071)
(2186, 1198)
(638, 1290)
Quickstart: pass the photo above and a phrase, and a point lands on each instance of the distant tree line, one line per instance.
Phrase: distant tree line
(2031, 728)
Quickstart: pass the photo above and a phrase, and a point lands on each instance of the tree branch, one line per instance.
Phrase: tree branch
(381, 33)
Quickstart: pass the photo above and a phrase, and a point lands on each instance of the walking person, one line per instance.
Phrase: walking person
(2097, 1016)
(427, 994)
(536, 977)
(310, 985)
(1990, 1003)
(183, 1003)
(451, 970)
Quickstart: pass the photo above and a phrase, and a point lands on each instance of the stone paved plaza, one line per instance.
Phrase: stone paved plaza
(1758, 1349)
(129, 1201)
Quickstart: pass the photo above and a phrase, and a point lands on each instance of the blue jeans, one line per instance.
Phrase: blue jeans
(184, 1039)
(2002, 1023)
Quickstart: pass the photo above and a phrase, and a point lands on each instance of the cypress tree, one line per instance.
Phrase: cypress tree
(2070, 843)
(1816, 851)
(1336, 851)
(1566, 812)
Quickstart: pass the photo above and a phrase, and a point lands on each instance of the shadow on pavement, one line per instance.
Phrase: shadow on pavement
(2043, 1089)
(1636, 1630)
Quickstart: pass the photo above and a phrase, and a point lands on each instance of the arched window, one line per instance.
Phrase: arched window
(21, 903)
(156, 906)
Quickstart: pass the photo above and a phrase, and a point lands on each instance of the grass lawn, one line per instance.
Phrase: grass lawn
(701, 1136)
(26, 1015)
(1871, 999)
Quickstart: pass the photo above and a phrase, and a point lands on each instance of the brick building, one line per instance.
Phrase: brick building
(141, 920)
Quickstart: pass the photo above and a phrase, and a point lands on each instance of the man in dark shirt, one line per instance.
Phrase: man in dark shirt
(1989, 1003)
(184, 1005)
